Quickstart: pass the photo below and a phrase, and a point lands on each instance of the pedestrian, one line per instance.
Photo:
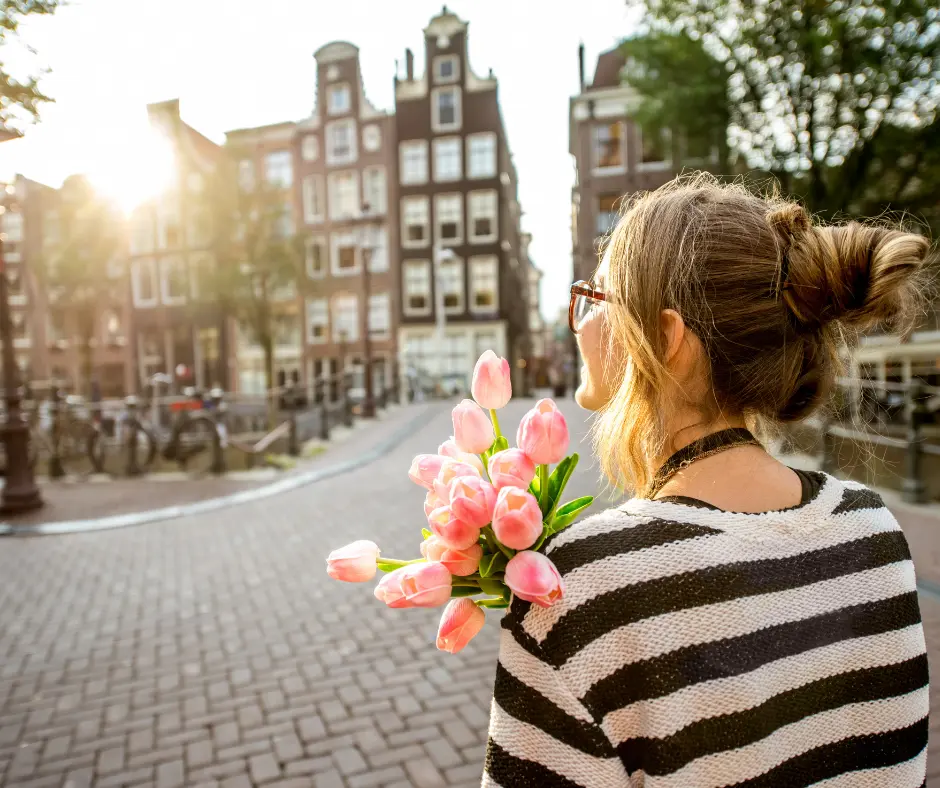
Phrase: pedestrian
(736, 622)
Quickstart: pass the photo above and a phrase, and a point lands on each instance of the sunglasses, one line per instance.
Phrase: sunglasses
(584, 299)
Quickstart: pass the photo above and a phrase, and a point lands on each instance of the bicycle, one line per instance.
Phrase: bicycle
(65, 440)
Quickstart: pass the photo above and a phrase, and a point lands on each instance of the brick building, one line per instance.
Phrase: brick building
(464, 279)
(338, 166)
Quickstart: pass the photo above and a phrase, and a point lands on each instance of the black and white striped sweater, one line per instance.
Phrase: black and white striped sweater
(697, 648)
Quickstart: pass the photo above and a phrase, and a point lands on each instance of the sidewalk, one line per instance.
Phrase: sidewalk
(101, 497)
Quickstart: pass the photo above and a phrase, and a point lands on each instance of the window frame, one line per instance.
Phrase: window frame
(368, 130)
(472, 237)
(595, 162)
(482, 135)
(317, 240)
(455, 77)
(284, 155)
(458, 267)
(406, 242)
(436, 124)
(344, 239)
(166, 263)
(411, 265)
(318, 190)
(310, 147)
(475, 262)
(653, 166)
(457, 240)
(138, 267)
(332, 160)
(335, 203)
(455, 142)
(386, 298)
(336, 324)
(310, 305)
(367, 173)
(413, 145)
(338, 88)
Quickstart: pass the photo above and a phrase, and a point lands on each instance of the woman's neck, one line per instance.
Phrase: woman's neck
(687, 428)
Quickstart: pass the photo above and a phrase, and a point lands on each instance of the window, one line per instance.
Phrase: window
(380, 318)
(338, 99)
(450, 280)
(246, 175)
(414, 162)
(174, 283)
(279, 168)
(341, 142)
(344, 195)
(345, 318)
(314, 207)
(415, 221)
(607, 142)
(654, 149)
(607, 213)
(371, 138)
(285, 329)
(142, 240)
(417, 274)
(445, 109)
(486, 340)
(144, 282)
(484, 284)
(310, 148)
(448, 213)
(378, 253)
(482, 215)
(447, 159)
(374, 190)
(318, 321)
(284, 222)
(113, 331)
(446, 68)
(481, 155)
(345, 257)
(315, 255)
(13, 226)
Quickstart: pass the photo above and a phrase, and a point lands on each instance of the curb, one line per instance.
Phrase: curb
(222, 502)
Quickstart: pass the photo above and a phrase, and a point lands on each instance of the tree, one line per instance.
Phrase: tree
(19, 98)
(79, 267)
(257, 256)
(819, 92)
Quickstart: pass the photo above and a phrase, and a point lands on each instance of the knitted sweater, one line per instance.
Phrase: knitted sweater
(696, 648)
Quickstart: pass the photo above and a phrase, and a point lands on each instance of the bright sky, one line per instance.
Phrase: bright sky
(238, 63)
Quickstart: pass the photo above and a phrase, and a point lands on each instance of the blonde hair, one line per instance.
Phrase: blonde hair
(772, 297)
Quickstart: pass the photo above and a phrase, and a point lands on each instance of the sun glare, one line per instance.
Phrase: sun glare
(135, 169)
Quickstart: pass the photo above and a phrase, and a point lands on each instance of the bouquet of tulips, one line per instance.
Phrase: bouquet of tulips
(489, 509)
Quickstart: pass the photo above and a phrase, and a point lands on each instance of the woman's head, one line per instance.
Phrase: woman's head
(732, 307)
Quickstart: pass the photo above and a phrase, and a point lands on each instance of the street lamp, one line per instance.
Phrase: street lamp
(365, 253)
(20, 493)
(441, 255)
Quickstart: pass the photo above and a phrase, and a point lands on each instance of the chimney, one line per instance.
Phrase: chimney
(581, 65)
(409, 65)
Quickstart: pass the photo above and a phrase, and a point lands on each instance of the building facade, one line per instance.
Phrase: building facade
(464, 282)
(338, 166)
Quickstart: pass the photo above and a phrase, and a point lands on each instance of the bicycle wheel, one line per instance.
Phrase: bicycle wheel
(111, 456)
(79, 443)
(195, 445)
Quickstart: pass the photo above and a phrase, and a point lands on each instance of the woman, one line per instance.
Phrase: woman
(738, 622)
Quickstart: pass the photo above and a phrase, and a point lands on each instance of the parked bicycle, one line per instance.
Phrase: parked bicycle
(63, 434)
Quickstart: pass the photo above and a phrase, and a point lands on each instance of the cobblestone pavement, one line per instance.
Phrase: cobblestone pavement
(213, 650)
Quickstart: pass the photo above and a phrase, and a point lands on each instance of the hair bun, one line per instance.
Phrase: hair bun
(859, 275)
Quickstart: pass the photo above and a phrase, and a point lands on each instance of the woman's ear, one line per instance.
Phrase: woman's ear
(675, 334)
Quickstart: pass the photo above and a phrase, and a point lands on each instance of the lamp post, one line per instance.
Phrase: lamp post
(20, 493)
(365, 250)
(441, 256)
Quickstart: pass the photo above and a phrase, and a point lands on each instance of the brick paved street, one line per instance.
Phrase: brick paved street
(213, 650)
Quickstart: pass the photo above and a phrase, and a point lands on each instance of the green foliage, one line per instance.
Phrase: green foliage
(824, 95)
(20, 99)
(568, 513)
(559, 480)
(491, 586)
(492, 564)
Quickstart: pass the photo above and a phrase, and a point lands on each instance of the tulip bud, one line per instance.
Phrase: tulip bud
(543, 434)
(517, 518)
(426, 585)
(425, 469)
(449, 448)
(389, 590)
(354, 563)
(460, 623)
(492, 385)
(533, 577)
(473, 431)
(472, 500)
(511, 468)
(457, 562)
(453, 532)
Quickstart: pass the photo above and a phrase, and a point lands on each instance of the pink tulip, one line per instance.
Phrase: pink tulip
(543, 434)
(457, 562)
(354, 563)
(517, 519)
(426, 585)
(491, 386)
(473, 500)
(437, 497)
(451, 530)
(473, 431)
(454, 469)
(461, 622)
(425, 468)
(533, 577)
(389, 590)
(450, 449)
(511, 468)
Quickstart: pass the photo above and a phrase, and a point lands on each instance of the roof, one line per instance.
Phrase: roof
(203, 145)
(609, 66)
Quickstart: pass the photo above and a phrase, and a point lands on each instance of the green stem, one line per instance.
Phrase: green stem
(543, 488)
(492, 602)
(486, 470)
(493, 543)
(390, 564)
(495, 423)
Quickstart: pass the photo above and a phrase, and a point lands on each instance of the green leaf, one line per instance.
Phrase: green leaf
(568, 513)
(559, 480)
(391, 564)
(492, 563)
(425, 533)
(493, 604)
(458, 591)
(492, 586)
(534, 486)
(501, 444)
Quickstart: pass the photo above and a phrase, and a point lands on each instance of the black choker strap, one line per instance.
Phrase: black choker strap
(698, 450)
